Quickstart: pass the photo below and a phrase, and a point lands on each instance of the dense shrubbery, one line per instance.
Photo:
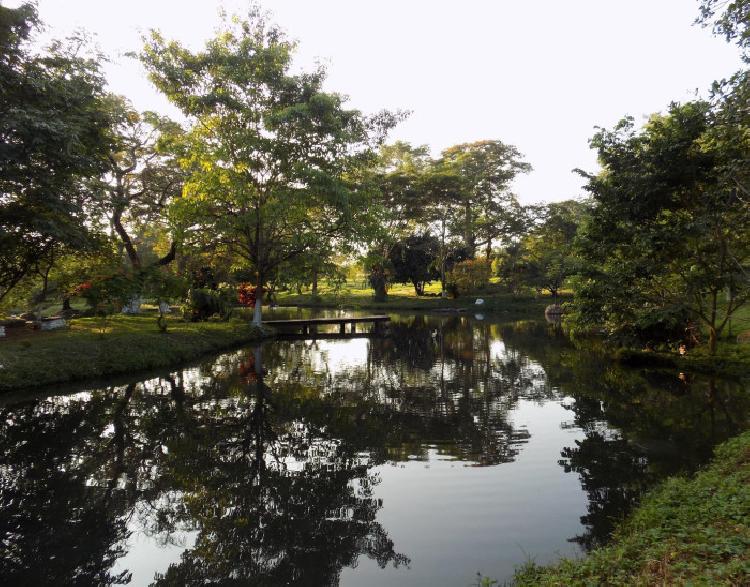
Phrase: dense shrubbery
(469, 276)
(202, 304)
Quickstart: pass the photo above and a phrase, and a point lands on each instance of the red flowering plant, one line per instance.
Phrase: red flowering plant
(246, 294)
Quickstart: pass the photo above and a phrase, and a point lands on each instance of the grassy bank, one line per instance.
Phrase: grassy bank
(692, 531)
(129, 344)
(402, 297)
(731, 359)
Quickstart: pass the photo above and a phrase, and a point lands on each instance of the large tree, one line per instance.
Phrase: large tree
(272, 156)
(53, 138)
(485, 170)
(668, 239)
(142, 178)
(547, 251)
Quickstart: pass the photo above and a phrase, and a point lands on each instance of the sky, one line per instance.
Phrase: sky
(538, 75)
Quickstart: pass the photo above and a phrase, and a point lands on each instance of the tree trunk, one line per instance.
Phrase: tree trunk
(469, 230)
(315, 281)
(712, 340)
(130, 249)
(258, 311)
(488, 251)
(443, 255)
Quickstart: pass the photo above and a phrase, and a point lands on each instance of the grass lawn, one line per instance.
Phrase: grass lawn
(689, 531)
(402, 297)
(129, 344)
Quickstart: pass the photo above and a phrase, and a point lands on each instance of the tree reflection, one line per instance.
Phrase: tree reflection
(276, 501)
(262, 463)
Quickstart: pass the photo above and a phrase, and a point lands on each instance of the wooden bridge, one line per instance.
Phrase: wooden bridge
(310, 325)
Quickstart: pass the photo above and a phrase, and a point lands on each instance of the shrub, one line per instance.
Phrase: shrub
(468, 276)
(201, 304)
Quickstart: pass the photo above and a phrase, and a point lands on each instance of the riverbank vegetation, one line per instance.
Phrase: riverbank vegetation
(689, 531)
(94, 348)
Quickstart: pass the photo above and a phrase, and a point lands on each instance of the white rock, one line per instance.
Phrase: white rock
(133, 306)
(479, 302)
(2, 330)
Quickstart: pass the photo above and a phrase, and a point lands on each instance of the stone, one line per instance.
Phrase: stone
(133, 306)
(479, 302)
(2, 331)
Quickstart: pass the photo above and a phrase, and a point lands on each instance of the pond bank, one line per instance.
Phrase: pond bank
(731, 360)
(492, 302)
(687, 531)
(129, 344)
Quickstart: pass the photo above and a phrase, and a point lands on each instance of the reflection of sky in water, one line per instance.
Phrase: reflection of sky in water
(454, 520)
(476, 457)
(147, 555)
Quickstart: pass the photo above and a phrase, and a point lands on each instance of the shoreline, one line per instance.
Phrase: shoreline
(688, 530)
(132, 345)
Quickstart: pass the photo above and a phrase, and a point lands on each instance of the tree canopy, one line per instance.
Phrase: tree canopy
(53, 138)
(271, 156)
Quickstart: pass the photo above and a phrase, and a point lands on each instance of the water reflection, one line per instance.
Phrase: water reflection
(265, 465)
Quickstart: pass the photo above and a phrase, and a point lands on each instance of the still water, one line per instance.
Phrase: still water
(455, 445)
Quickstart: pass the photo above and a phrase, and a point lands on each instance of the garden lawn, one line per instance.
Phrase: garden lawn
(689, 531)
(402, 297)
(129, 344)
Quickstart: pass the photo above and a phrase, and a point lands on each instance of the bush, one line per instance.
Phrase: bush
(201, 304)
(469, 276)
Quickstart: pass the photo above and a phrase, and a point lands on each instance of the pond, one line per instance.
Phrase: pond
(454, 445)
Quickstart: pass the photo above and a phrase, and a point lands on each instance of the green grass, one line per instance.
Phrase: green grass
(402, 297)
(689, 531)
(129, 344)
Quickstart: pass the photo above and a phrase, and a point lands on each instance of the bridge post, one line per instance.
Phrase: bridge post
(342, 328)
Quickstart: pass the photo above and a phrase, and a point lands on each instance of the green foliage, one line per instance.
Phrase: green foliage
(142, 178)
(470, 275)
(544, 258)
(202, 304)
(273, 157)
(688, 531)
(729, 19)
(487, 210)
(667, 232)
(53, 125)
(414, 259)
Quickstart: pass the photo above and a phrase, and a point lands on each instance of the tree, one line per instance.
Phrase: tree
(413, 261)
(548, 257)
(53, 132)
(668, 238)
(142, 178)
(485, 170)
(729, 19)
(272, 157)
(398, 207)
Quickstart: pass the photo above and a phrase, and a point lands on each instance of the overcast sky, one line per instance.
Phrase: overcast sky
(539, 75)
